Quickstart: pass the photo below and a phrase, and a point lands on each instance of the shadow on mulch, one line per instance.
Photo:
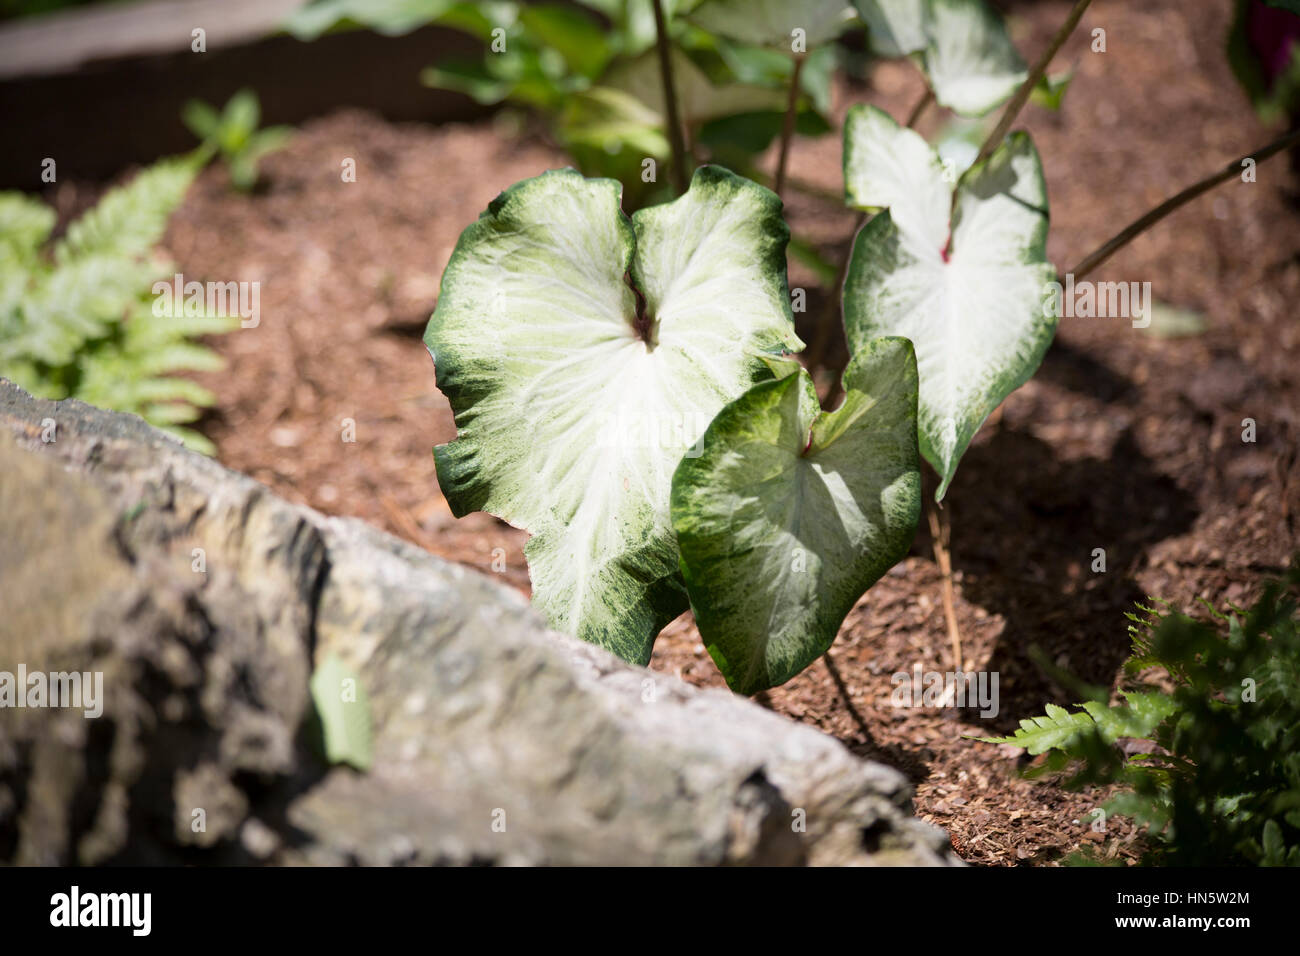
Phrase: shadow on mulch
(1040, 519)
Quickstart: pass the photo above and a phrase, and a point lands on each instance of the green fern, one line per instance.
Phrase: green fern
(1221, 785)
(131, 220)
(1059, 728)
(75, 315)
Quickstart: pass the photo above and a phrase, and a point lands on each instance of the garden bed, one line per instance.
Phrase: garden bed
(1125, 440)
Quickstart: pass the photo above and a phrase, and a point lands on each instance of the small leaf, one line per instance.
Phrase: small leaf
(388, 17)
(201, 119)
(789, 515)
(471, 78)
(962, 45)
(239, 118)
(771, 22)
(268, 140)
(1050, 91)
(1171, 322)
(972, 65)
(610, 119)
(698, 100)
(574, 34)
(972, 295)
(344, 711)
(895, 27)
(1274, 846)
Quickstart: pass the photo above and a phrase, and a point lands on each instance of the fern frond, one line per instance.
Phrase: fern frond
(130, 220)
(192, 440)
(1058, 729)
(80, 323)
(74, 304)
(25, 224)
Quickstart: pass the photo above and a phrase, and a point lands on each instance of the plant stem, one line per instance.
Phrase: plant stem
(1022, 95)
(1137, 227)
(822, 334)
(940, 533)
(920, 108)
(787, 130)
(670, 98)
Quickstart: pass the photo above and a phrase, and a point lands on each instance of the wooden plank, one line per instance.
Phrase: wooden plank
(67, 40)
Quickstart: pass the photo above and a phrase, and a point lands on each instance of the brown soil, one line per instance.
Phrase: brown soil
(1123, 441)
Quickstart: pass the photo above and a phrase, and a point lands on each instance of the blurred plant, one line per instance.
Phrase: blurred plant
(15, 9)
(1215, 774)
(76, 319)
(233, 135)
(590, 70)
(1264, 52)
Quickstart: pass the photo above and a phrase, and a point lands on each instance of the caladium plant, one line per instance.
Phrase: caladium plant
(790, 514)
(624, 389)
(960, 271)
(583, 355)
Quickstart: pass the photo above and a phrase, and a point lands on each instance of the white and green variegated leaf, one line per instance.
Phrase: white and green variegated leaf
(962, 45)
(570, 420)
(895, 27)
(970, 59)
(773, 22)
(887, 167)
(974, 298)
(790, 514)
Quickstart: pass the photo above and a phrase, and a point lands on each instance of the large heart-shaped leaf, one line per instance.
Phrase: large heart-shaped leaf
(962, 45)
(773, 22)
(583, 354)
(972, 296)
(790, 514)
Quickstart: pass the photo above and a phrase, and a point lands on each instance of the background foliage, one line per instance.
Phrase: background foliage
(76, 314)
